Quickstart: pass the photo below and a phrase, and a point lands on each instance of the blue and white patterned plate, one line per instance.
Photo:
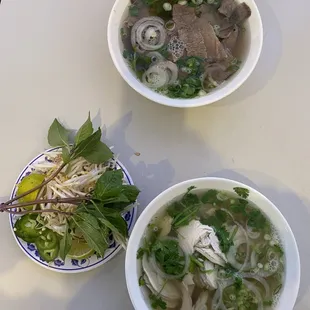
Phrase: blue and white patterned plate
(70, 265)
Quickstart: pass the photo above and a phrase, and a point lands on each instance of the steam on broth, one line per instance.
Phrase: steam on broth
(183, 49)
(211, 250)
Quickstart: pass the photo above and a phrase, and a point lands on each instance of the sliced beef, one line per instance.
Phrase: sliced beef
(227, 7)
(184, 18)
(213, 46)
(240, 14)
(211, 15)
(193, 39)
(217, 72)
(183, 15)
(197, 33)
(231, 40)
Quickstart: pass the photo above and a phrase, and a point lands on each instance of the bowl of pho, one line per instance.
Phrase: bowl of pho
(212, 243)
(185, 53)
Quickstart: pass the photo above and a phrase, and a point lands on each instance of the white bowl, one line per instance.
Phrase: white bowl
(69, 265)
(253, 40)
(292, 263)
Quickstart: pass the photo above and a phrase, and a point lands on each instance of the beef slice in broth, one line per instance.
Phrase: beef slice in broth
(240, 14)
(231, 41)
(197, 33)
(227, 7)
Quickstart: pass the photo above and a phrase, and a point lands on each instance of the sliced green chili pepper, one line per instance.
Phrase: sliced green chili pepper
(26, 228)
(48, 245)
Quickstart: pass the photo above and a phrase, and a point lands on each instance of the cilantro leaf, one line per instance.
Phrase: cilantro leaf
(242, 192)
(217, 222)
(256, 219)
(185, 210)
(168, 256)
(209, 196)
(141, 280)
(133, 10)
(157, 302)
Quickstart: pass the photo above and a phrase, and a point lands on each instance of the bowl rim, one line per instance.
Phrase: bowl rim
(291, 286)
(143, 90)
(62, 269)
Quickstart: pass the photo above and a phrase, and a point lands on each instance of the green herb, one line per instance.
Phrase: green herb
(278, 249)
(85, 131)
(210, 196)
(139, 63)
(133, 10)
(239, 206)
(65, 243)
(185, 210)
(90, 228)
(58, 135)
(277, 289)
(234, 65)
(164, 51)
(256, 219)
(169, 256)
(217, 222)
(242, 192)
(238, 283)
(268, 303)
(141, 280)
(157, 302)
(140, 253)
(66, 154)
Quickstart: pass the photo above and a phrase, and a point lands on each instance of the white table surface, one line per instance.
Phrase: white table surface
(54, 62)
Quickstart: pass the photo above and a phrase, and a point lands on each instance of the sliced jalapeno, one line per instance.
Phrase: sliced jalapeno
(48, 245)
(26, 228)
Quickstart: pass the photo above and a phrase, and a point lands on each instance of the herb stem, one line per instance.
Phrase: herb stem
(52, 176)
(73, 200)
(39, 211)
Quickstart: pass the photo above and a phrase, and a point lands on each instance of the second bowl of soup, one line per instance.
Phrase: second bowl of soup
(185, 53)
(212, 243)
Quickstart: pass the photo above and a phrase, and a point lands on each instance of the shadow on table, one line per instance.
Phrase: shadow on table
(106, 289)
(268, 61)
(285, 200)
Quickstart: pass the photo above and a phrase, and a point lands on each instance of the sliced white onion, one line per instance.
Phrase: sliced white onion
(252, 234)
(231, 255)
(148, 34)
(260, 280)
(155, 57)
(155, 77)
(253, 289)
(172, 68)
(161, 74)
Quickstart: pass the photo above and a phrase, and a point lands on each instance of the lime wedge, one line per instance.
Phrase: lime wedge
(80, 250)
(27, 184)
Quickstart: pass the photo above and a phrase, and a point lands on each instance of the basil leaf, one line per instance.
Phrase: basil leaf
(65, 155)
(85, 131)
(113, 220)
(65, 244)
(91, 231)
(100, 154)
(131, 192)
(87, 146)
(109, 185)
(57, 134)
